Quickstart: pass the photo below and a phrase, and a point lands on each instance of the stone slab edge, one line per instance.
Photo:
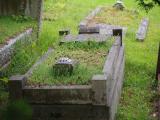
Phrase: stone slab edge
(39, 61)
(84, 22)
(6, 51)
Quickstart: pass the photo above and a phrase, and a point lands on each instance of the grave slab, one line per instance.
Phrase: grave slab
(102, 29)
(85, 37)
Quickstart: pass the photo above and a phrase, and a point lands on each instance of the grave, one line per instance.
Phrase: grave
(98, 99)
(94, 97)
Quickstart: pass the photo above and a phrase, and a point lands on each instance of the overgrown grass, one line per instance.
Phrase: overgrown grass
(85, 54)
(140, 56)
(117, 17)
(9, 27)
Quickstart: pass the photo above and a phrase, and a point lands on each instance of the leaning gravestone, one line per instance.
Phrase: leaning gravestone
(142, 31)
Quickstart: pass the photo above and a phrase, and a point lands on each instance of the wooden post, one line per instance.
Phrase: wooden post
(158, 65)
(39, 16)
(158, 79)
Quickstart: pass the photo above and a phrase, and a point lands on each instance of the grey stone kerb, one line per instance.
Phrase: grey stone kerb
(7, 50)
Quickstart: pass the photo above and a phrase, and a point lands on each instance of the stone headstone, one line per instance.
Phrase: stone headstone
(64, 66)
(143, 28)
(119, 5)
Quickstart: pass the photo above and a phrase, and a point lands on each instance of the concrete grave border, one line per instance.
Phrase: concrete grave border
(7, 50)
(32, 8)
(84, 22)
(100, 97)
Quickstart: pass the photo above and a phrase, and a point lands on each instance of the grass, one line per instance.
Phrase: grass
(117, 17)
(9, 27)
(141, 57)
(85, 53)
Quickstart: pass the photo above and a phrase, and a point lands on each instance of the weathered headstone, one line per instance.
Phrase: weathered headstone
(142, 31)
(119, 5)
(64, 66)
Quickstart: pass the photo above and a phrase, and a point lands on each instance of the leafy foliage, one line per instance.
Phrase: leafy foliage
(148, 4)
(18, 110)
(21, 18)
(11, 26)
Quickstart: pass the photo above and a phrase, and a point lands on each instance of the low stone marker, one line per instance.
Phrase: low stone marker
(64, 66)
(142, 31)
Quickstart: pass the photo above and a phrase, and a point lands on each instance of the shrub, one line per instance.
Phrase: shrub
(18, 110)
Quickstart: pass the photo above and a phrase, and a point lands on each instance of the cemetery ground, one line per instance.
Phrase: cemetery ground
(141, 57)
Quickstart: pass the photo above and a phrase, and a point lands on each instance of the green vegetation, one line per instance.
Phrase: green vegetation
(11, 26)
(141, 57)
(85, 53)
(17, 110)
(121, 18)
